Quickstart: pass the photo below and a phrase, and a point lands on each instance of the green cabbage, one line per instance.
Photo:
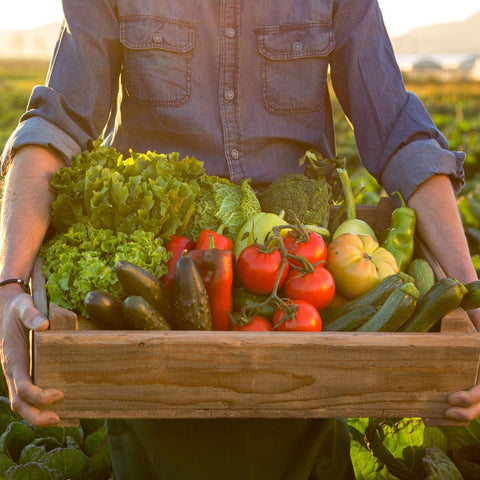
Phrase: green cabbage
(222, 206)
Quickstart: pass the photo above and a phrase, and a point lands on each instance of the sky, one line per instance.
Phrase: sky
(400, 16)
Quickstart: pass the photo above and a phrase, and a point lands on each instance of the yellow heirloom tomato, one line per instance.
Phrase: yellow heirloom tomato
(358, 263)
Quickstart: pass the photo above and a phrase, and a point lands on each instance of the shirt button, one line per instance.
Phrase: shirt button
(157, 37)
(230, 32)
(229, 94)
(297, 46)
(235, 153)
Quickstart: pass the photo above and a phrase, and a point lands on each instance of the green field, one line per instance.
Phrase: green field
(380, 449)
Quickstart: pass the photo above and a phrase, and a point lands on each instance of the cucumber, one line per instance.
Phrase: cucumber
(351, 320)
(423, 274)
(137, 281)
(394, 312)
(445, 295)
(376, 296)
(104, 310)
(471, 299)
(190, 298)
(140, 314)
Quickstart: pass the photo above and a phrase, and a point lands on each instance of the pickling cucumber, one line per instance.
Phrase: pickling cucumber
(137, 281)
(471, 299)
(140, 314)
(423, 274)
(376, 296)
(351, 320)
(190, 298)
(104, 310)
(394, 312)
(444, 296)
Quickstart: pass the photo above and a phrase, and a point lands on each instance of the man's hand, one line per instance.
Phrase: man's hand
(18, 316)
(465, 405)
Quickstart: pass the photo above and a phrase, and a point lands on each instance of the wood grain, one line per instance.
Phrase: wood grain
(240, 374)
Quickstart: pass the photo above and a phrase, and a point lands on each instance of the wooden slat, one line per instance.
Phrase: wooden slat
(37, 285)
(239, 374)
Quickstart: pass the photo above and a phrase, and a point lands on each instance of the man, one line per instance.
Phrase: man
(240, 85)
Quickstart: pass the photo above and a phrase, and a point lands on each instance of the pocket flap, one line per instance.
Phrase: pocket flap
(287, 42)
(147, 31)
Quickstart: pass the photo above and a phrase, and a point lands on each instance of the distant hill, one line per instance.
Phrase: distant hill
(444, 38)
(37, 43)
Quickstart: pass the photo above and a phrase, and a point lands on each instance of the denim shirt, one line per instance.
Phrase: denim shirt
(239, 84)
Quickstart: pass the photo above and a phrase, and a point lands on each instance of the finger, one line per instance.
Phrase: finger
(463, 414)
(33, 415)
(37, 396)
(465, 398)
(31, 318)
(26, 399)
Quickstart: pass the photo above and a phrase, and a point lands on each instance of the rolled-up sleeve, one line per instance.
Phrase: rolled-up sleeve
(82, 84)
(396, 138)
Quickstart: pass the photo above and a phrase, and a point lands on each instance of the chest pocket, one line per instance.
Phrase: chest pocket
(293, 66)
(157, 59)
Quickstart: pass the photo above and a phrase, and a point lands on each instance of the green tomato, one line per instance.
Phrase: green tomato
(355, 226)
(257, 229)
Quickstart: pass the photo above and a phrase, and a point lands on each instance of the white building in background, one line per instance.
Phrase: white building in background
(441, 66)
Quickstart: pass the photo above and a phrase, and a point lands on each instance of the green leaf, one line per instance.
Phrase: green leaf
(458, 437)
(99, 464)
(32, 471)
(70, 461)
(60, 434)
(398, 446)
(91, 425)
(5, 407)
(14, 439)
(5, 463)
(32, 453)
(6, 420)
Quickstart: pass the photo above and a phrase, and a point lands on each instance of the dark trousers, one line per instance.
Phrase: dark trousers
(230, 449)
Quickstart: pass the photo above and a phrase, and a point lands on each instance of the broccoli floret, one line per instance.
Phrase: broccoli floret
(302, 198)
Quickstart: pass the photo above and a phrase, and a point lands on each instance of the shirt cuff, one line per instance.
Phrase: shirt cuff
(38, 131)
(417, 162)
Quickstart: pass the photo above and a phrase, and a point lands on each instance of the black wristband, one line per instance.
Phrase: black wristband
(19, 281)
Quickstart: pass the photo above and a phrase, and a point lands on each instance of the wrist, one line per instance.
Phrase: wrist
(19, 282)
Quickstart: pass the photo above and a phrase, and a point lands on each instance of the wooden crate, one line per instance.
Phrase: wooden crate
(178, 374)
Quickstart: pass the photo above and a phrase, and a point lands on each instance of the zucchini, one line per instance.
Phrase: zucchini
(394, 312)
(140, 314)
(351, 320)
(376, 296)
(445, 295)
(423, 274)
(471, 299)
(190, 299)
(137, 281)
(104, 310)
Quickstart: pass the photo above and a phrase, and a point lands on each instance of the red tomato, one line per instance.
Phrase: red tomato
(256, 324)
(317, 287)
(314, 249)
(257, 271)
(306, 319)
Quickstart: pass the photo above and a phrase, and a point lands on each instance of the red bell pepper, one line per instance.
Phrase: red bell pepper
(176, 245)
(219, 241)
(216, 269)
